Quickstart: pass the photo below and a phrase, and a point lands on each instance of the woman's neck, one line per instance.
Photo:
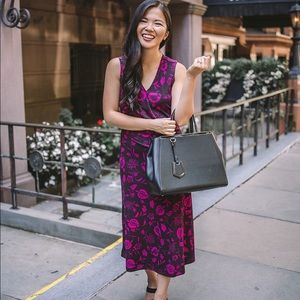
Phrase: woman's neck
(151, 57)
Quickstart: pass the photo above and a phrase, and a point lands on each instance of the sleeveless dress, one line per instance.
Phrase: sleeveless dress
(158, 232)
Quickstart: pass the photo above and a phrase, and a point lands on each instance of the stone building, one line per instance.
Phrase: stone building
(69, 42)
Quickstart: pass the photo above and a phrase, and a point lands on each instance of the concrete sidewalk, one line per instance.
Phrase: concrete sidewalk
(247, 245)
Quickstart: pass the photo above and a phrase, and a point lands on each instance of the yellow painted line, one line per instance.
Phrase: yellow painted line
(75, 270)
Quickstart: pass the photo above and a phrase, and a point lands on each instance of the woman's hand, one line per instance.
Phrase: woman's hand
(164, 126)
(200, 65)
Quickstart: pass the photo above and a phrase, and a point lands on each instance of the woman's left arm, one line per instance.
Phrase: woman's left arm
(183, 89)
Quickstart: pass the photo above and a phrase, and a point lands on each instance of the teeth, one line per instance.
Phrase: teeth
(148, 36)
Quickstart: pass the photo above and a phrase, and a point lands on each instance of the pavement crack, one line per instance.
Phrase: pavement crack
(256, 215)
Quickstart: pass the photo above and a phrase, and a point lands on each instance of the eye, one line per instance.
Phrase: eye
(143, 21)
(158, 24)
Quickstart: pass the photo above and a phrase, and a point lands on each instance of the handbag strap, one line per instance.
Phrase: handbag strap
(192, 123)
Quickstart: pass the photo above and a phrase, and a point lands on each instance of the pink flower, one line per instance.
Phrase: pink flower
(170, 269)
(175, 257)
(130, 263)
(187, 202)
(157, 230)
(160, 210)
(144, 252)
(143, 194)
(133, 186)
(179, 233)
(154, 251)
(127, 244)
(100, 122)
(163, 227)
(151, 216)
(133, 224)
(122, 162)
(154, 97)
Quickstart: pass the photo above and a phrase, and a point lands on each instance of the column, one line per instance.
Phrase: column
(12, 109)
(186, 36)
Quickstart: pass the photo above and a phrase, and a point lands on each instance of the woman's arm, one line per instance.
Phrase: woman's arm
(183, 89)
(111, 112)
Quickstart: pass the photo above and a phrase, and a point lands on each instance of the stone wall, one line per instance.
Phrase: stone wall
(55, 24)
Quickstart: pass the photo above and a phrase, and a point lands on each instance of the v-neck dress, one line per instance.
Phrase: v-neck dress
(158, 232)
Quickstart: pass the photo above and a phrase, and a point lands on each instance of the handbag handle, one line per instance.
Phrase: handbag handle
(192, 123)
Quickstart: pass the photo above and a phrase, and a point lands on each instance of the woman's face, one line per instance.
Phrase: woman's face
(152, 28)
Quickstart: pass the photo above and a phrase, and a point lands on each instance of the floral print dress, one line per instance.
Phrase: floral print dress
(158, 232)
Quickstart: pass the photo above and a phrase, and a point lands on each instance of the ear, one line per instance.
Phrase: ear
(166, 35)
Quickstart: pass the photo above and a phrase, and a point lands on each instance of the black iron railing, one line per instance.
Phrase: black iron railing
(247, 123)
(244, 125)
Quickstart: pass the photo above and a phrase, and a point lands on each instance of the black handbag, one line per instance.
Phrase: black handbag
(185, 162)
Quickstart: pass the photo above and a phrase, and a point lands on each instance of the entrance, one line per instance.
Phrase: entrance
(88, 64)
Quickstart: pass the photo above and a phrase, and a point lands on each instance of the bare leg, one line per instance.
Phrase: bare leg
(152, 283)
(162, 287)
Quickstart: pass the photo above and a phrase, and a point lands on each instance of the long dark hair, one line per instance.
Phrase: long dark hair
(133, 51)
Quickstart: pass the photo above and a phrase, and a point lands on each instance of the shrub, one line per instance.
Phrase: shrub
(79, 145)
(258, 78)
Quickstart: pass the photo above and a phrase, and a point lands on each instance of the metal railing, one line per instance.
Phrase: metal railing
(250, 121)
(244, 116)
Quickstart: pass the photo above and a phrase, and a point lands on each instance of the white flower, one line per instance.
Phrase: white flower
(78, 171)
(218, 74)
(264, 90)
(225, 68)
(51, 182)
(70, 152)
(95, 144)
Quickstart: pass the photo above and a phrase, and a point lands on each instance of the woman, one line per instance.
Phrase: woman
(141, 90)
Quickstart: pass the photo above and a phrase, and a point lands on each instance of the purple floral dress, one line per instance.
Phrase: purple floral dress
(158, 232)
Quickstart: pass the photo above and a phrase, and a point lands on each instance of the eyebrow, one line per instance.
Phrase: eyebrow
(154, 20)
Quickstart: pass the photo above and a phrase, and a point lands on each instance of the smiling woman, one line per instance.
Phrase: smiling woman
(141, 89)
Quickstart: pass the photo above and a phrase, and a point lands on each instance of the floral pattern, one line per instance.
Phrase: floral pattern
(158, 232)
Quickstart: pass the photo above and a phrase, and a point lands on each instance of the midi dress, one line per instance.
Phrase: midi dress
(158, 231)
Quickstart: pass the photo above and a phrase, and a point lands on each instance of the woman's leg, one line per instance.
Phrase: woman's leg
(162, 287)
(152, 283)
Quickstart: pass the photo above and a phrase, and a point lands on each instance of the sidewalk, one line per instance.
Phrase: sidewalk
(247, 245)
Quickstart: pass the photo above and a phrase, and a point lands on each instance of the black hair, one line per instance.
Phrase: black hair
(132, 49)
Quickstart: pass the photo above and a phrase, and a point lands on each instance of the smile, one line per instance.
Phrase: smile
(148, 37)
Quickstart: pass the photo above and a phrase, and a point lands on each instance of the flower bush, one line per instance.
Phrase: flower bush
(79, 145)
(258, 78)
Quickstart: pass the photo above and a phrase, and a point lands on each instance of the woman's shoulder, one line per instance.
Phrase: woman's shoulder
(114, 62)
(115, 65)
(169, 59)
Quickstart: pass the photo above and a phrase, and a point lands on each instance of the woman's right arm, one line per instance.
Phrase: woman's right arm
(114, 117)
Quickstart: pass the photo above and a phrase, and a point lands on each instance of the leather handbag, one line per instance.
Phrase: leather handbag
(185, 162)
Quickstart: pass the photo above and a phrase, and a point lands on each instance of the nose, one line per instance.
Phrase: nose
(149, 26)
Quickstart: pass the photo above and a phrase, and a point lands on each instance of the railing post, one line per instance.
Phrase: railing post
(286, 115)
(268, 123)
(242, 134)
(278, 116)
(224, 137)
(63, 173)
(13, 180)
(255, 129)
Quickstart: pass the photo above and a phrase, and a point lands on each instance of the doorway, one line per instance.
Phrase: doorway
(88, 65)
